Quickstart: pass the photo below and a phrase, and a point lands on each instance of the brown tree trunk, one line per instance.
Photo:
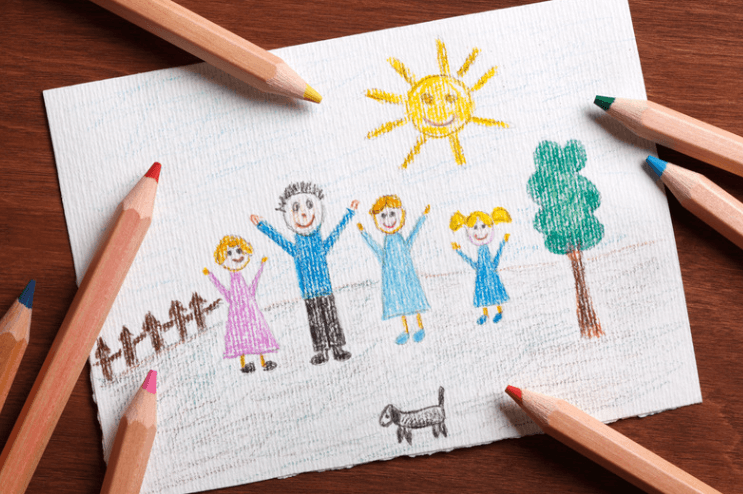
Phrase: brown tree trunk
(589, 323)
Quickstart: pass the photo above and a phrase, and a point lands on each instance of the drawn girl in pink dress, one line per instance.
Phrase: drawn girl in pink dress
(247, 330)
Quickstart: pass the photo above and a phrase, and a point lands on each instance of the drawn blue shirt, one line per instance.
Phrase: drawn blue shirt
(489, 289)
(310, 256)
(402, 293)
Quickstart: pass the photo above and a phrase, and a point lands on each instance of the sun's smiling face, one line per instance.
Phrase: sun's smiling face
(439, 105)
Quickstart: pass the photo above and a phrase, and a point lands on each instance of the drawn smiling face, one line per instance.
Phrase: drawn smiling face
(439, 105)
(236, 259)
(480, 233)
(304, 213)
(390, 220)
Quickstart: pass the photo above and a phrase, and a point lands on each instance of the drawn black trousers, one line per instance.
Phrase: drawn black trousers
(325, 328)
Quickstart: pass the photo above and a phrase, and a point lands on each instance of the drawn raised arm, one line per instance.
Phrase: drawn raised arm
(416, 229)
(466, 258)
(254, 283)
(278, 238)
(496, 258)
(333, 237)
(222, 289)
(373, 245)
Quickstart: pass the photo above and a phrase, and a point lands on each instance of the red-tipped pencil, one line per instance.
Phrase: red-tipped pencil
(14, 331)
(76, 336)
(134, 437)
(605, 446)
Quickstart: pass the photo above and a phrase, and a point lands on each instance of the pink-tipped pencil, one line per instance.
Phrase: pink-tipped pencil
(134, 437)
(14, 332)
(605, 446)
(76, 336)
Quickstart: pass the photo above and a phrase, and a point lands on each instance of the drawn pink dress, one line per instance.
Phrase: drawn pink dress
(247, 330)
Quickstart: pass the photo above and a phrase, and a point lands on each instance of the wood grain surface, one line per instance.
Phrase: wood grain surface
(692, 58)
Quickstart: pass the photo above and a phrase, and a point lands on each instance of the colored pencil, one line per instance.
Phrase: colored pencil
(214, 44)
(76, 336)
(703, 198)
(134, 437)
(677, 131)
(14, 331)
(605, 446)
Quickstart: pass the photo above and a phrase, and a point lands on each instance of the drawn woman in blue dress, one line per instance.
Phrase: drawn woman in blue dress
(402, 294)
(489, 290)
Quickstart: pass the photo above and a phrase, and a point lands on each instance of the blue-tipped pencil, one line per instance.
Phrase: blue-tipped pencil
(14, 331)
(703, 198)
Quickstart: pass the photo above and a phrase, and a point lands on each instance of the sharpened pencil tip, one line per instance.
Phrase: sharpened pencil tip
(27, 296)
(154, 171)
(657, 164)
(312, 95)
(514, 393)
(603, 102)
(150, 382)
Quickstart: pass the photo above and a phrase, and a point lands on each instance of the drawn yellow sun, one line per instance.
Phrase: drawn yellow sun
(438, 105)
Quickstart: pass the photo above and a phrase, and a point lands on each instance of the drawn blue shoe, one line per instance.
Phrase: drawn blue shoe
(498, 317)
(403, 338)
(419, 335)
(481, 320)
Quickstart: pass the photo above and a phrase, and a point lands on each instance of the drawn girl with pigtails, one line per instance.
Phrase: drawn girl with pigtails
(247, 330)
(489, 290)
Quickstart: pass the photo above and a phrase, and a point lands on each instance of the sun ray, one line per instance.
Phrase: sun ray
(386, 127)
(442, 57)
(468, 63)
(456, 149)
(485, 78)
(489, 122)
(401, 69)
(385, 97)
(416, 149)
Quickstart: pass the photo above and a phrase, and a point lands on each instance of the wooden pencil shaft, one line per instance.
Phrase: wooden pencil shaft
(70, 350)
(13, 342)
(707, 201)
(129, 456)
(204, 39)
(685, 134)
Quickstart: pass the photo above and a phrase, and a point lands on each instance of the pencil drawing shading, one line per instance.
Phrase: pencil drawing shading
(432, 417)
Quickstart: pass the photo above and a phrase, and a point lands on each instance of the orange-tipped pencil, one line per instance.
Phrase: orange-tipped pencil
(14, 331)
(76, 336)
(703, 198)
(134, 437)
(214, 44)
(605, 446)
(677, 131)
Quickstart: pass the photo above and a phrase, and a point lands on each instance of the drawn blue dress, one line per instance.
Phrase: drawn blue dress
(489, 289)
(402, 293)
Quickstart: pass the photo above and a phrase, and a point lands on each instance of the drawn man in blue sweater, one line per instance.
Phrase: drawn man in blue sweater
(303, 211)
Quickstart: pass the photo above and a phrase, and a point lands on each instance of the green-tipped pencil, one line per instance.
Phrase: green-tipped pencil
(677, 131)
(703, 198)
(14, 331)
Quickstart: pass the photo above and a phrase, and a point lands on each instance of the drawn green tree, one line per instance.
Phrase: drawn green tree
(568, 200)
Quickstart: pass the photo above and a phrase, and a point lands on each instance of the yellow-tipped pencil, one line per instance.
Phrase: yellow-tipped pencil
(214, 44)
(76, 336)
(134, 437)
(14, 332)
(605, 446)
(677, 131)
(703, 198)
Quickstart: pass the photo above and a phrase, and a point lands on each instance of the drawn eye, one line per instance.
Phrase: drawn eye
(384, 216)
(229, 252)
(309, 204)
(392, 214)
(451, 98)
(239, 250)
(427, 98)
(295, 207)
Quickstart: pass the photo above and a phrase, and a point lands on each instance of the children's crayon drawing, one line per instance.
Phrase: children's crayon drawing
(272, 368)
(402, 294)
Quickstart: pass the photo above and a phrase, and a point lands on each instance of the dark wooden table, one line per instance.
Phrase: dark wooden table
(692, 57)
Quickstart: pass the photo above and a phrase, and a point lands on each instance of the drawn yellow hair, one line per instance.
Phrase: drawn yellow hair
(228, 242)
(385, 202)
(499, 215)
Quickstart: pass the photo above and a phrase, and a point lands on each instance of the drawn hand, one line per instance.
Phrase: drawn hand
(361, 227)
(427, 210)
(255, 219)
(455, 246)
(507, 236)
(264, 260)
(205, 271)
(354, 204)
